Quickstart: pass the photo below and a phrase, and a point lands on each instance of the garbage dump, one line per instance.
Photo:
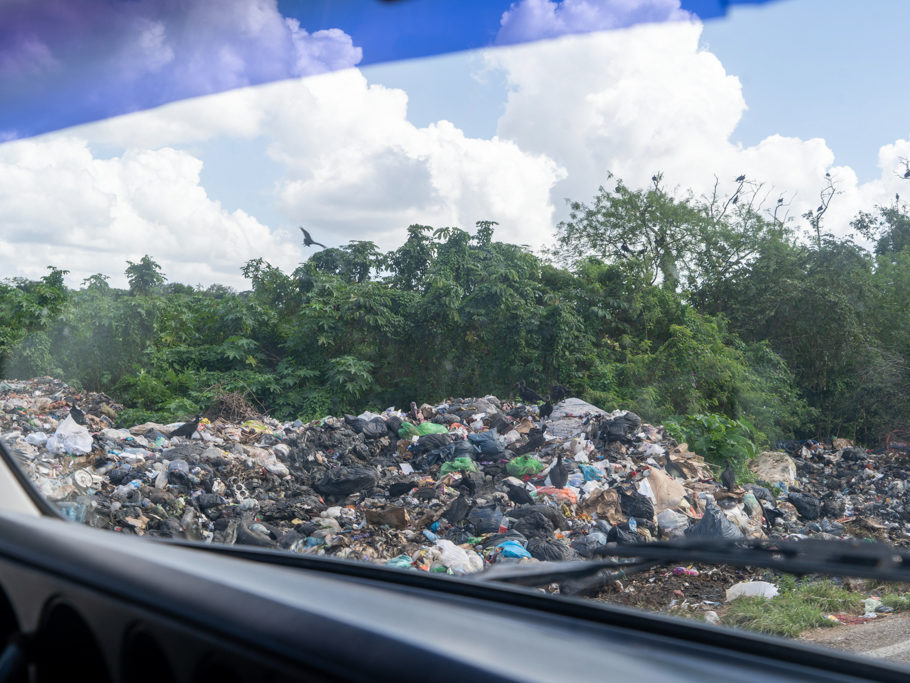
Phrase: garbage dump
(451, 487)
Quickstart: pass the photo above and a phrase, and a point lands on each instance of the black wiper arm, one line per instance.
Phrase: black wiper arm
(833, 558)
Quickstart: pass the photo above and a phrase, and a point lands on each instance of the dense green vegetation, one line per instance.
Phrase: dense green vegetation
(710, 308)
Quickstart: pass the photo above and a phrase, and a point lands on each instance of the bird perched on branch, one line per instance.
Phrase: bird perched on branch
(187, 428)
(741, 178)
(309, 241)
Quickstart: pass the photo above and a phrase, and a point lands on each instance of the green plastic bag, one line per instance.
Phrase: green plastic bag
(457, 465)
(524, 465)
(407, 430)
(425, 428)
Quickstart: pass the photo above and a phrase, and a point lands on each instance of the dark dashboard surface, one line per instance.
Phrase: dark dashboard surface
(134, 609)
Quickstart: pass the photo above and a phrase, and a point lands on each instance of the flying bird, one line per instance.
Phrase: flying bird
(559, 475)
(741, 178)
(519, 495)
(309, 241)
(186, 429)
(728, 478)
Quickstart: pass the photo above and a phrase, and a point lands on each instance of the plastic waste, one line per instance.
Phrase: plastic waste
(672, 523)
(713, 524)
(457, 465)
(807, 506)
(513, 549)
(751, 589)
(425, 428)
(70, 438)
(400, 562)
(524, 465)
(456, 559)
(407, 430)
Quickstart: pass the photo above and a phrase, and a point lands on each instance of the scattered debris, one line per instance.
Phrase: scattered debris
(452, 487)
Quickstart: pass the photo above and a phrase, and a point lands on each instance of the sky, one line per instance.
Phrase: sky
(782, 92)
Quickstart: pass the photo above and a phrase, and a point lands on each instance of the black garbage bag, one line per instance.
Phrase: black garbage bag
(509, 535)
(121, 473)
(714, 524)
(452, 450)
(374, 429)
(550, 550)
(807, 506)
(486, 444)
(458, 509)
(620, 428)
(634, 504)
(590, 543)
(833, 504)
(853, 454)
(485, 520)
(247, 536)
(393, 424)
(760, 492)
(551, 513)
(346, 480)
(355, 423)
(623, 535)
(532, 525)
(209, 500)
(500, 423)
(430, 442)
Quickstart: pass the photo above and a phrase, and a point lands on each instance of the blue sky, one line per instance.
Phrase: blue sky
(809, 68)
(834, 69)
(783, 92)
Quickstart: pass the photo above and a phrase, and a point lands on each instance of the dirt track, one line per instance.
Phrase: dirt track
(886, 638)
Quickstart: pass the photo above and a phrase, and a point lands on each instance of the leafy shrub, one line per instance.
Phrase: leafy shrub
(717, 438)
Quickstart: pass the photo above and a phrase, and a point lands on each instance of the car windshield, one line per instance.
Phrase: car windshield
(565, 275)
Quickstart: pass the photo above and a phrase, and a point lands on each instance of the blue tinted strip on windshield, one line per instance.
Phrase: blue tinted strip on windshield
(64, 62)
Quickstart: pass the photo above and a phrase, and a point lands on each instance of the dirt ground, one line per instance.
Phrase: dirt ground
(659, 590)
(887, 637)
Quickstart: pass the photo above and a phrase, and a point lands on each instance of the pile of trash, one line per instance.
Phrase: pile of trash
(452, 487)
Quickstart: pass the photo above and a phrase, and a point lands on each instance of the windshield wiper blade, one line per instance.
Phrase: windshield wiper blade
(833, 558)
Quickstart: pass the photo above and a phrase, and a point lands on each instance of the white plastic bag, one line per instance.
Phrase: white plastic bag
(458, 560)
(70, 437)
(751, 589)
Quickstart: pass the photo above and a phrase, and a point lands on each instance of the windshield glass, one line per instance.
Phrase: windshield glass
(510, 304)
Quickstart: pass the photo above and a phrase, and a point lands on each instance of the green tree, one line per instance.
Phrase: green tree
(144, 276)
